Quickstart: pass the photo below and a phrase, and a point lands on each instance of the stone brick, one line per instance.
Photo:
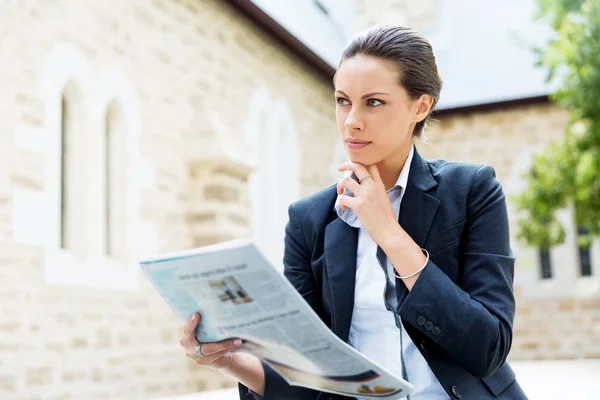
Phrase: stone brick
(97, 375)
(74, 375)
(103, 339)
(40, 376)
(7, 327)
(554, 346)
(220, 193)
(590, 304)
(524, 309)
(568, 305)
(80, 343)
(124, 339)
(8, 383)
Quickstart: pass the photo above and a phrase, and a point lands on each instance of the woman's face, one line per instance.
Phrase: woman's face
(375, 116)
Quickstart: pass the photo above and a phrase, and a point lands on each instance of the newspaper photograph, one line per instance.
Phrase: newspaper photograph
(240, 294)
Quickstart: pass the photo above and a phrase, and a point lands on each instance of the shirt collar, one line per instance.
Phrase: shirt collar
(403, 177)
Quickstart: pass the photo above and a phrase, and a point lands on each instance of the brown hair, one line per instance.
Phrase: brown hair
(412, 53)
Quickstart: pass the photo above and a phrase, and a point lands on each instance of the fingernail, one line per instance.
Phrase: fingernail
(237, 342)
(194, 316)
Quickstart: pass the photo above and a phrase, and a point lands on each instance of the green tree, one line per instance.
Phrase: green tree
(568, 171)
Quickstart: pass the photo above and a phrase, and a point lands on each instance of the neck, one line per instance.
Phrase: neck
(390, 168)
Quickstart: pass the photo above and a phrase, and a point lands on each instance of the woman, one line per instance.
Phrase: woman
(433, 236)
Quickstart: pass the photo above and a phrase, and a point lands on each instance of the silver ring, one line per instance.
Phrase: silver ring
(199, 350)
(363, 178)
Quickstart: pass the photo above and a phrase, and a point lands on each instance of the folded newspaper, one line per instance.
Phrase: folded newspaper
(240, 294)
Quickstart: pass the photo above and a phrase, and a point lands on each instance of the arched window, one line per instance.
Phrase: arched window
(275, 184)
(67, 84)
(92, 125)
(286, 156)
(585, 256)
(73, 204)
(544, 261)
(115, 196)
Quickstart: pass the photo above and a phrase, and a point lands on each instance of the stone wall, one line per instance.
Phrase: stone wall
(557, 318)
(192, 68)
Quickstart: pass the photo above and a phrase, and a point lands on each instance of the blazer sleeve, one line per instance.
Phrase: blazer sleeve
(297, 269)
(473, 320)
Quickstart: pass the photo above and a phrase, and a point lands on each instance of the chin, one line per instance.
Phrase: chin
(364, 159)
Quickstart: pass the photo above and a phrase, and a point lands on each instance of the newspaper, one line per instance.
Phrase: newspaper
(240, 294)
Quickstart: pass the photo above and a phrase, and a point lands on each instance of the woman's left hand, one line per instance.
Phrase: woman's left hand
(370, 203)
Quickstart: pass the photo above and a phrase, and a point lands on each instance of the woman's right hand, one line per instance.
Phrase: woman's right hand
(213, 353)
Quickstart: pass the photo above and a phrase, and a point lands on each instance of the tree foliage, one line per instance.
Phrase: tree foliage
(568, 171)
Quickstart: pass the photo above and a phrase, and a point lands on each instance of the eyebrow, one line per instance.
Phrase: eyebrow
(365, 95)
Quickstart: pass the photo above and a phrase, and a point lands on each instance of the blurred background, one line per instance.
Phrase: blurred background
(136, 127)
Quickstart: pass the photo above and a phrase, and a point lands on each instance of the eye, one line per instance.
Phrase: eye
(374, 103)
(342, 101)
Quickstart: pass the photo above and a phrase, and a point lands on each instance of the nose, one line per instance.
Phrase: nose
(354, 121)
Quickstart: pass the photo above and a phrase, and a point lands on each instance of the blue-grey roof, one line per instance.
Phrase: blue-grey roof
(484, 51)
(324, 30)
(483, 47)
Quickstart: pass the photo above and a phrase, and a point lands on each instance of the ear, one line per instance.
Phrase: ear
(422, 107)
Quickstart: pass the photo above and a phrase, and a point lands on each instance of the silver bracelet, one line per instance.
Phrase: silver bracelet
(420, 269)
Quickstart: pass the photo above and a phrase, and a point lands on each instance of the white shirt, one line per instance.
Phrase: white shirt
(373, 329)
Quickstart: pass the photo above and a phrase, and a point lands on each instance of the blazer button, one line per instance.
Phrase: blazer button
(429, 325)
(421, 320)
(455, 392)
(436, 331)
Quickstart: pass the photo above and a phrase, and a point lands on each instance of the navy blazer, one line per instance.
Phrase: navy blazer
(459, 312)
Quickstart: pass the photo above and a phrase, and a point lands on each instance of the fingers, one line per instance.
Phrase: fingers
(189, 328)
(348, 183)
(374, 172)
(211, 349)
(362, 173)
(359, 170)
(347, 202)
(188, 333)
(212, 352)
(215, 359)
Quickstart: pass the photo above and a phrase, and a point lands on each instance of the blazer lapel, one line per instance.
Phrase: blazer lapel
(341, 241)
(418, 208)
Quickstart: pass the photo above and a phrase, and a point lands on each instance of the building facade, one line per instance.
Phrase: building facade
(143, 127)
(162, 125)
(558, 291)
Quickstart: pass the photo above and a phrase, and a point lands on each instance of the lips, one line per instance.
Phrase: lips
(356, 144)
(356, 141)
